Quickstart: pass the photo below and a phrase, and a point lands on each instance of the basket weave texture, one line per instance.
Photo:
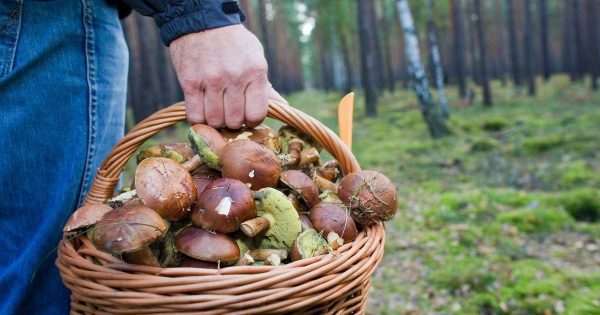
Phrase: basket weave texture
(336, 283)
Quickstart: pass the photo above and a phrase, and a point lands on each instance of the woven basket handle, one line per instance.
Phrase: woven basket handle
(108, 174)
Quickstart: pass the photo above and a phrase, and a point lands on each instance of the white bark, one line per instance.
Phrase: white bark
(437, 66)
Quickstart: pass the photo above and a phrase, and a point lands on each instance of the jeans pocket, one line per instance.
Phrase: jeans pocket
(10, 25)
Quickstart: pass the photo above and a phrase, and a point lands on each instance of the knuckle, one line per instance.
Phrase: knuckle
(189, 85)
(214, 80)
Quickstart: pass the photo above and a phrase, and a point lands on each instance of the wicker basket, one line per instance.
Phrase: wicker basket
(336, 283)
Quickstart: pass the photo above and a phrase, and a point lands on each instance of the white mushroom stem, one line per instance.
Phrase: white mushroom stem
(245, 260)
(334, 240)
(263, 254)
(309, 156)
(193, 163)
(273, 260)
(123, 198)
(253, 227)
(325, 184)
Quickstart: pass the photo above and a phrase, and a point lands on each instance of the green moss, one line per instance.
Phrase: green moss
(578, 173)
(495, 124)
(582, 204)
(543, 143)
(484, 145)
(536, 220)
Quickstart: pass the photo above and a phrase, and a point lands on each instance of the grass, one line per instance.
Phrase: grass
(501, 217)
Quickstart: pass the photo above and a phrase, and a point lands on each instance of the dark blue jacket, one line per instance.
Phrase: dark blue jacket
(176, 18)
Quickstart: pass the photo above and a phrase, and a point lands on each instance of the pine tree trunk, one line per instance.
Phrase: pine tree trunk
(389, 71)
(487, 95)
(472, 43)
(348, 64)
(431, 113)
(376, 45)
(568, 50)
(500, 41)
(593, 41)
(580, 61)
(528, 44)
(545, 50)
(459, 47)
(436, 61)
(512, 42)
(367, 56)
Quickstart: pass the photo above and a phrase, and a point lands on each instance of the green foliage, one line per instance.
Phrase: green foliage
(461, 272)
(583, 204)
(543, 143)
(579, 173)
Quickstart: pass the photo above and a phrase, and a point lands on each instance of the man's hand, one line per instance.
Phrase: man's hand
(223, 74)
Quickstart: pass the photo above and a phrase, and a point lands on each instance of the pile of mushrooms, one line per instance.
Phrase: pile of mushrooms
(235, 197)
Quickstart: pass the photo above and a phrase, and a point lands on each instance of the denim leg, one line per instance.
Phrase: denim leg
(62, 97)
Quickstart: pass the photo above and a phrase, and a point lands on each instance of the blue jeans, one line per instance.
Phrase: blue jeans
(63, 71)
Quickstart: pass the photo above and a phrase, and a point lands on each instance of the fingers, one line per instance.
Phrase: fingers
(256, 103)
(214, 113)
(234, 101)
(194, 104)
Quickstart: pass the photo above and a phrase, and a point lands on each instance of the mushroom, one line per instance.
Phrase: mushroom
(179, 152)
(166, 187)
(305, 222)
(308, 244)
(85, 216)
(287, 132)
(262, 254)
(261, 134)
(224, 204)
(334, 240)
(294, 148)
(330, 171)
(309, 156)
(299, 206)
(370, 196)
(324, 184)
(277, 216)
(208, 143)
(127, 231)
(301, 186)
(329, 217)
(207, 246)
(330, 196)
(245, 260)
(251, 163)
(202, 177)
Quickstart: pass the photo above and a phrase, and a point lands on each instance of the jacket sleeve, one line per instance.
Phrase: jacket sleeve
(176, 18)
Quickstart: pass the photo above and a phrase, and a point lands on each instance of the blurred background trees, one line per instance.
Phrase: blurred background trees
(343, 45)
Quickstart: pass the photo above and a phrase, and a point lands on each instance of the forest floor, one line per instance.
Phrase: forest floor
(503, 216)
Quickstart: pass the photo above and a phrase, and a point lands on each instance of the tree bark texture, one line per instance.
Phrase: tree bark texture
(512, 42)
(459, 46)
(485, 84)
(431, 113)
(367, 56)
(544, 49)
(528, 45)
(593, 41)
(436, 61)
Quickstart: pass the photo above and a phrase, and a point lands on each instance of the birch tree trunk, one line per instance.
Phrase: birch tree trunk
(436, 61)
(459, 46)
(431, 113)
(485, 84)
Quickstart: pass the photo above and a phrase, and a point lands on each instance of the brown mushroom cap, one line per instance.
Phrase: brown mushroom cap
(332, 217)
(302, 186)
(127, 229)
(208, 246)
(250, 163)
(261, 134)
(305, 221)
(202, 177)
(165, 186)
(85, 216)
(370, 196)
(224, 204)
